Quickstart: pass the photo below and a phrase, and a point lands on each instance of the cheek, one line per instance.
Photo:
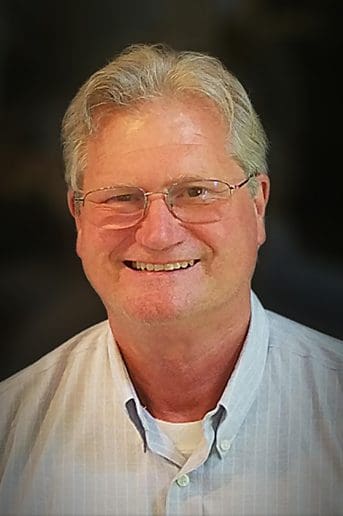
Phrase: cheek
(233, 239)
(97, 244)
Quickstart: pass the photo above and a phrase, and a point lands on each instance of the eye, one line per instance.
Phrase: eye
(196, 191)
(191, 192)
(119, 197)
(128, 197)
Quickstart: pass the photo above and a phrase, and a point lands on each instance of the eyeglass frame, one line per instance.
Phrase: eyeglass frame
(165, 194)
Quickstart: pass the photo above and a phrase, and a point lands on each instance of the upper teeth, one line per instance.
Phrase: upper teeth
(162, 266)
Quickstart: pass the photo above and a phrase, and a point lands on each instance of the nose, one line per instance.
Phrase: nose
(159, 230)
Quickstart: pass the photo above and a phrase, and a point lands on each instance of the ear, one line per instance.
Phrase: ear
(72, 209)
(260, 202)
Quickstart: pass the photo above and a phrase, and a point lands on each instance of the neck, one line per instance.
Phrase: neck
(180, 369)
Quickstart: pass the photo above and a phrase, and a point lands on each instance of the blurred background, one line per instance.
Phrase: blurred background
(286, 53)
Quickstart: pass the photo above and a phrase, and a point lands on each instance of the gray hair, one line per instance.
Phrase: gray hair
(143, 72)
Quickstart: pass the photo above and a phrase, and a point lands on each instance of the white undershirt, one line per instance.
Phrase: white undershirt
(185, 436)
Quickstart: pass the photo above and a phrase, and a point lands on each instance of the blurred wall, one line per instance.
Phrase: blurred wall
(285, 53)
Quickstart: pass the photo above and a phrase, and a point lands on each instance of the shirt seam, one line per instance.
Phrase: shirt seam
(323, 362)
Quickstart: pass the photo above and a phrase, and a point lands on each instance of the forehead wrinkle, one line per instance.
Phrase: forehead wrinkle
(178, 178)
(159, 146)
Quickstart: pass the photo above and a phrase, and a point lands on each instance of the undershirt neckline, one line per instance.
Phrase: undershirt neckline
(186, 436)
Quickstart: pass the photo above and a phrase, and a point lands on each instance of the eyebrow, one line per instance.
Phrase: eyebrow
(184, 177)
(178, 179)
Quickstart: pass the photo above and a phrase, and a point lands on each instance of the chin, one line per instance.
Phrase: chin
(148, 311)
(154, 313)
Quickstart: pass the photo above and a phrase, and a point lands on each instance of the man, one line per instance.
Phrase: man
(191, 399)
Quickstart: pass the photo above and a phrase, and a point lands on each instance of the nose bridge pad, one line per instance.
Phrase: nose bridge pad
(164, 195)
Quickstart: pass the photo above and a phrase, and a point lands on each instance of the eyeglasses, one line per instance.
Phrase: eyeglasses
(195, 201)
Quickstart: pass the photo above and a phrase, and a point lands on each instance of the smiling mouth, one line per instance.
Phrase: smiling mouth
(158, 267)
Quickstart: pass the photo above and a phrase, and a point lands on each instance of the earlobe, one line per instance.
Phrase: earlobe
(71, 204)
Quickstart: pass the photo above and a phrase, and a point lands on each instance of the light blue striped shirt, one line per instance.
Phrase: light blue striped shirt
(76, 441)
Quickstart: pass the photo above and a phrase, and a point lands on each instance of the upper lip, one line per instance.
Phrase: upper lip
(162, 262)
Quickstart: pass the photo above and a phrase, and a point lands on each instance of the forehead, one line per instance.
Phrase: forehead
(161, 134)
(186, 120)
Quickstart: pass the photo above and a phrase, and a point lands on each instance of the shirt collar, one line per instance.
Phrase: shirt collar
(124, 386)
(241, 389)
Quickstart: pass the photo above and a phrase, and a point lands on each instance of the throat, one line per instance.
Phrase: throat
(182, 392)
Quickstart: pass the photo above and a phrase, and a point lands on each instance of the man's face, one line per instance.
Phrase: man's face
(153, 146)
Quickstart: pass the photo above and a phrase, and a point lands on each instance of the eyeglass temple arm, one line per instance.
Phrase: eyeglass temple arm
(244, 182)
(77, 197)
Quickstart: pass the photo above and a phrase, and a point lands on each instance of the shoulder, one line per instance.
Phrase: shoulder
(296, 340)
(43, 370)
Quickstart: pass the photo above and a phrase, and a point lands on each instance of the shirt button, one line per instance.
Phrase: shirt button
(183, 481)
(225, 445)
